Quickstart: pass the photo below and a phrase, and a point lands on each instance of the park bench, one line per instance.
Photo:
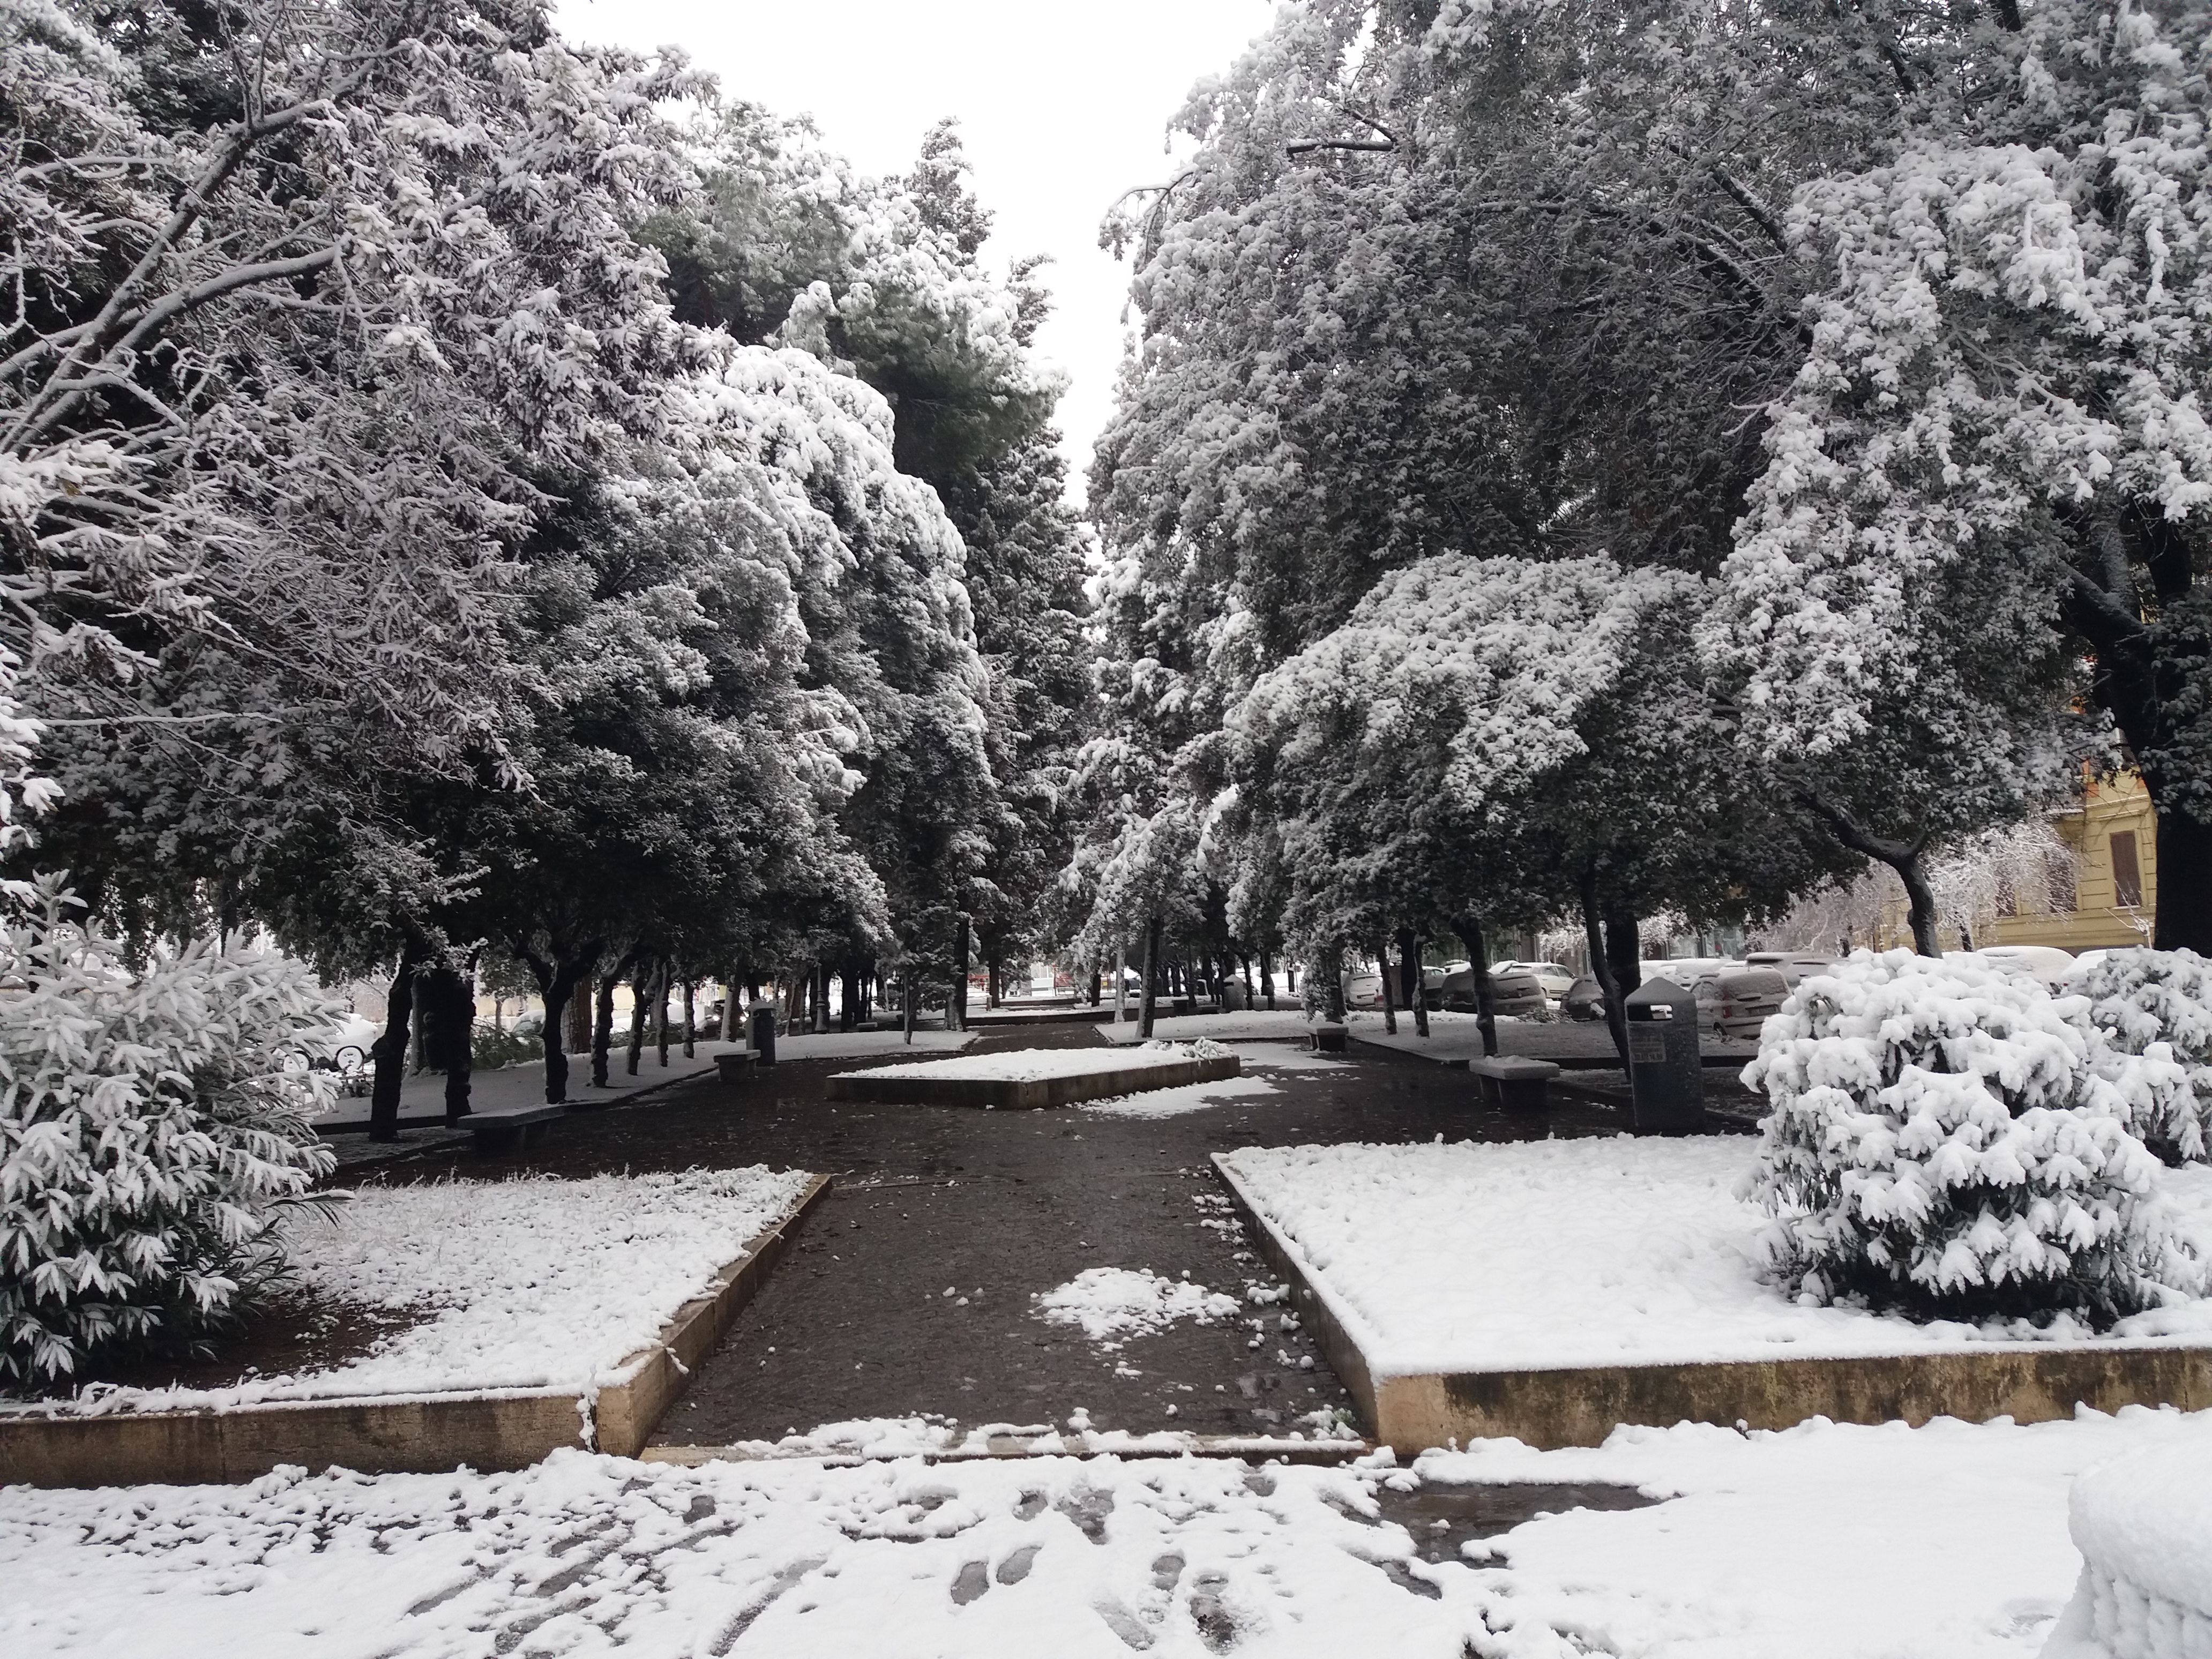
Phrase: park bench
(735, 1067)
(1514, 1082)
(504, 1132)
(1326, 1039)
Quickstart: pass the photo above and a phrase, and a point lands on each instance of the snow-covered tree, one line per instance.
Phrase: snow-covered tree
(2008, 347)
(1944, 1140)
(2140, 999)
(153, 1127)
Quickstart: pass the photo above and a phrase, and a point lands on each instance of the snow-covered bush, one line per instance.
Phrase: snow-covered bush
(2139, 999)
(153, 1125)
(1944, 1140)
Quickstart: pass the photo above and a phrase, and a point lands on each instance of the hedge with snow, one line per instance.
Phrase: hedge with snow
(151, 1129)
(1955, 1142)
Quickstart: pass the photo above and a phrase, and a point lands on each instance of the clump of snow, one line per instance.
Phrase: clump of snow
(1115, 1303)
(1033, 1065)
(1604, 1251)
(1946, 1140)
(531, 1283)
(1197, 1048)
(2141, 1000)
(2144, 1524)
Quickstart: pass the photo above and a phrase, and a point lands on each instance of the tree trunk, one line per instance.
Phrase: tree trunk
(1146, 995)
(906, 997)
(1382, 978)
(1624, 951)
(1478, 962)
(1267, 978)
(848, 1015)
(556, 978)
(456, 1027)
(2184, 884)
(389, 1052)
(1121, 986)
(956, 1007)
(1094, 987)
(690, 1018)
(661, 986)
(603, 1023)
(729, 1011)
(641, 978)
(1902, 856)
(1417, 997)
(1616, 1015)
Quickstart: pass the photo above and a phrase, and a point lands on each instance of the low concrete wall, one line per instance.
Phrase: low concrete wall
(1006, 1093)
(1580, 1405)
(498, 1429)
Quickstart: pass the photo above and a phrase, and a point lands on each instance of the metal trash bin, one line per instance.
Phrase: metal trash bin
(1666, 1078)
(760, 1032)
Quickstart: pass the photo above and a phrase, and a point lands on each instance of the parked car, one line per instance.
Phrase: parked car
(1363, 989)
(1512, 991)
(2046, 965)
(1747, 995)
(1792, 965)
(1556, 981)
(1585, 999)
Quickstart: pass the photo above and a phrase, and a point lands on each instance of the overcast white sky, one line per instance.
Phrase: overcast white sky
(1062, 107)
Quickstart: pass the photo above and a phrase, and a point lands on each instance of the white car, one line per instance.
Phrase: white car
(2046, 965)
(1556, 981)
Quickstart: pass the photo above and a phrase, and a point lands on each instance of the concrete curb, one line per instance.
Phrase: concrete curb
(489, 1429)
(1580, 1405)
(1036, 1092)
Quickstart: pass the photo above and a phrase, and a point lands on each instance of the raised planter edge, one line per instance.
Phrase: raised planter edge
(1030, 1094)
(1580, 1405)
(429, 1433)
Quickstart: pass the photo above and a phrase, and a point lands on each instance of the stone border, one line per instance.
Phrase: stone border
(1580, 1405)
(908, 1090)
(489, 1429)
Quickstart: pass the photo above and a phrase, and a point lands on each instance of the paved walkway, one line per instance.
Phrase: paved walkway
(995, 1207)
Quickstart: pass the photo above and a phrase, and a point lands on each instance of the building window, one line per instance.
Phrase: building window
(2127, 870)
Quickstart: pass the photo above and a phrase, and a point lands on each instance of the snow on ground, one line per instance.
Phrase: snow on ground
(1586, 1252)
(1824, 1541)
(520, 1284)
(1031, 1065)
(1115, 1303)
(1262, 1024)
(1256, 1058)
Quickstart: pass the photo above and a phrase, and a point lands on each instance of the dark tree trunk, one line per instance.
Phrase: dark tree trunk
(1417, 998)
(1616, 1015)
(2185, 884)
(1624, 951)
(1382, 978)
(662, 982)
(603, 1023)
(389, 1052)
(690, 1018)
(956, 1009)
(452, 995)
(557, 979)
(1152, 929)
(1267, 977)
(640, 983)
(1478, 962)
(1094, 987)
(906, 998)
(1902, 856)
(1332, 990)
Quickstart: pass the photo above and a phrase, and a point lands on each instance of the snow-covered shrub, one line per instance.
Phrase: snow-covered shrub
(153, 1125)
(1946, 1141)
(2140, 999)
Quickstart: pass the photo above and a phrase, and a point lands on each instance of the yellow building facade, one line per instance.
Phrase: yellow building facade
(2114, 836)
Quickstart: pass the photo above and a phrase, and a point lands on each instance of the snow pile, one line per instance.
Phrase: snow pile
(1612, 1251)
(1198, 1049)
(531, 1283)
(2144, 1524)
(1222, 1091)
(2139, 999)
(1034, 1065)
(152, 1127)
(1946, 1141)
(1115, 1303)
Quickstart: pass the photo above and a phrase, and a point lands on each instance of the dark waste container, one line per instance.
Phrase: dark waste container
(1665, 1081)
(760, 1036)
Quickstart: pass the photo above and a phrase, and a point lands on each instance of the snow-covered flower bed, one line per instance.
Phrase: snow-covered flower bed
(1036, 1065)
(1825, 1542)
(1954, 1141)
(1115, 1303)
(531, 1283)
(1537, 1254)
